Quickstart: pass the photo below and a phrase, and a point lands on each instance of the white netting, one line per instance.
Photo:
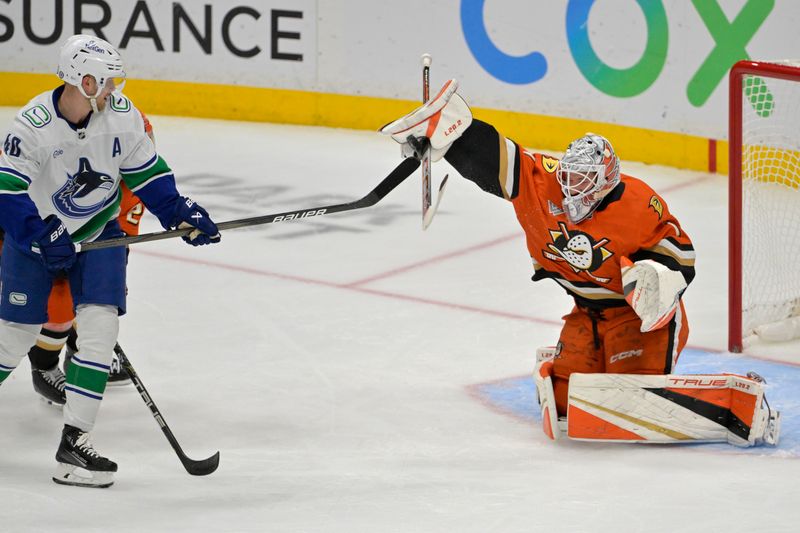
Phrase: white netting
(770, 201)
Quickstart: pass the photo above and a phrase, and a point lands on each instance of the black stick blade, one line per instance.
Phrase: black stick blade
(203, 467)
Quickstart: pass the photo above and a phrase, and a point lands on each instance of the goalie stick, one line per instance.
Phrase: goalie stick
(428, 211)
(202, 467)
(426, 155)
(389, 183)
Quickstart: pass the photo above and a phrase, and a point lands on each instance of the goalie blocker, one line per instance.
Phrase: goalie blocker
(659, 408)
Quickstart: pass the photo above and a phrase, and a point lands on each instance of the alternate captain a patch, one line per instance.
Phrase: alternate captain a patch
(550, 165)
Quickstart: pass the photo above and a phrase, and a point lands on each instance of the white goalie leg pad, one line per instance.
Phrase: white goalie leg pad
(442, 120)
(652, 290)
(543, 377)
(670, 409)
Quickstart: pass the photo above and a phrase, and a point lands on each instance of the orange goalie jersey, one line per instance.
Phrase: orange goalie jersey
(602, 333)
(632, 221)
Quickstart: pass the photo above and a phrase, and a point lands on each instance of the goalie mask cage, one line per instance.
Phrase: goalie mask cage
(764, 201)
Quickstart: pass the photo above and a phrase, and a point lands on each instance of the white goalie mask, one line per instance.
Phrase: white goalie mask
(87, 55)
(588, 171)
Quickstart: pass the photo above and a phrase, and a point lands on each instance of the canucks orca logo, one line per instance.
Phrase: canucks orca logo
(85, 193)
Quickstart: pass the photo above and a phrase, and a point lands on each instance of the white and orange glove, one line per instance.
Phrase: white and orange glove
(652, 290)
(441, 121)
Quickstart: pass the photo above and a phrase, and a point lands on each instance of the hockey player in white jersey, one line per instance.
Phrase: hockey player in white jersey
(60, 172)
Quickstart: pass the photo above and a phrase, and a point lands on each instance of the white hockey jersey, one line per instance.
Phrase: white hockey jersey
(74, 173)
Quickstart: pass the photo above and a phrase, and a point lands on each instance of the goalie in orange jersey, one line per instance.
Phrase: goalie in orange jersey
(48, 379)
(612, 243)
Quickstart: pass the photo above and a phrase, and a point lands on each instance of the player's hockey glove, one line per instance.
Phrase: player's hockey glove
(54, 246)
(190, 215)
(440, 121)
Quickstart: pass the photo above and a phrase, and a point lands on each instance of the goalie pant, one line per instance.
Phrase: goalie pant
(658, 409)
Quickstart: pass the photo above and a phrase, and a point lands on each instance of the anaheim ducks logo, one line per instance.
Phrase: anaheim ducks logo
(579, 250)
(657, 206)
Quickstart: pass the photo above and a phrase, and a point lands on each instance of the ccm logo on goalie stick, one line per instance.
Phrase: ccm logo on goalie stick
(304, 214)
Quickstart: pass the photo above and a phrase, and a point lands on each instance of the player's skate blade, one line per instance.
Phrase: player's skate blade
(79, 464)
(77, 476)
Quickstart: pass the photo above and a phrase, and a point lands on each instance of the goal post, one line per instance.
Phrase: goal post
(764, 201)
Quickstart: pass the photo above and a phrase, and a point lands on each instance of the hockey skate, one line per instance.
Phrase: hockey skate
(50, 385)
(79, 464)
(116, 375)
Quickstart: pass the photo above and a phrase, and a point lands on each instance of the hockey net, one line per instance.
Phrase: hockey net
(764, 216)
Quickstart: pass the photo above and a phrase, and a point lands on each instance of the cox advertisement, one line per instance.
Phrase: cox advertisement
(658, 65)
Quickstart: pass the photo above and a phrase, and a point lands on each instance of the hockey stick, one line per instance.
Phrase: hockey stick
(203, 467)
(395, 178)
(426, 156)
(428, 211)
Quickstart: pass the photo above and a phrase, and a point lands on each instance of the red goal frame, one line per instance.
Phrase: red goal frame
(738, 71)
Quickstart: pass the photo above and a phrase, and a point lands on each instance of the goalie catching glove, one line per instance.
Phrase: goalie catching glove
(441, 121)
(652, 290)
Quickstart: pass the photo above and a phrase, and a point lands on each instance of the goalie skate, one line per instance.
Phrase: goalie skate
(79, 464)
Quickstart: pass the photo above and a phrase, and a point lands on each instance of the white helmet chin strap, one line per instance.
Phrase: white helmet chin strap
(92, 99)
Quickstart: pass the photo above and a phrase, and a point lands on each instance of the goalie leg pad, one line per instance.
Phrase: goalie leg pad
(543, 377)
(670, 409)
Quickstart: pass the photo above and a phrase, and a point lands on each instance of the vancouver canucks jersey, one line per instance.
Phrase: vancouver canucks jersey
(74, 172)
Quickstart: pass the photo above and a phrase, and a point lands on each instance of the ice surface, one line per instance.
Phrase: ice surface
(351, 369)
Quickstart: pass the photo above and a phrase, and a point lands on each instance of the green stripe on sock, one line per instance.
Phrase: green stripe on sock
(4, 374)
(86, 378)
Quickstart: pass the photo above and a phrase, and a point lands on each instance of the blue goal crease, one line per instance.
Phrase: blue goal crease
(516, 396)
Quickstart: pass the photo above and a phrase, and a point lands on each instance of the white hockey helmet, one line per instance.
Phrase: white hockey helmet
(83, 55)
(588, 171)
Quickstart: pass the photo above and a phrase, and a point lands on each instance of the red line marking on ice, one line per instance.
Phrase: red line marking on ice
(433, 260)
(356, 286)
(398, 296)
(689, 183)
(348, 287)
